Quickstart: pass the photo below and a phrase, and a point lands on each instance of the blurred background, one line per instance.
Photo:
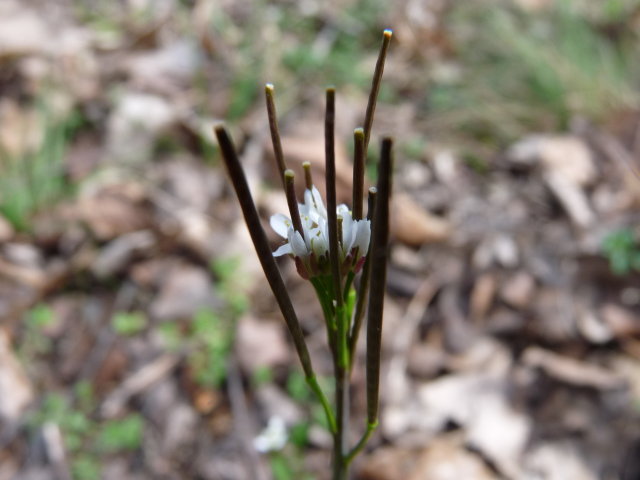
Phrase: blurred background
(138, 338)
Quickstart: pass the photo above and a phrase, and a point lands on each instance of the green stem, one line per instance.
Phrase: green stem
(325, 296)
(371, 427)
(329, 320)
(312, 381)
(343, 332)
(341, 374)
(341, 438)
(347, 285)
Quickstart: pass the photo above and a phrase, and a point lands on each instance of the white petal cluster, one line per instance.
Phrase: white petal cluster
(312, 246)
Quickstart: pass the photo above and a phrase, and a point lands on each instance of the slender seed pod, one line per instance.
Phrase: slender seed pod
(375, 87)
(330, 169)
(275, 131)
(308, 180)
(363, 289)
(259, 238)
(378, 259)
(290, 192)
(358, 172)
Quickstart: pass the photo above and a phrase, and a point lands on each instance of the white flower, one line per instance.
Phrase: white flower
(311, 248)
(273, 437)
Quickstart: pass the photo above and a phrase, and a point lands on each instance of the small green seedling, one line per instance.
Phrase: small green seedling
(622, 248)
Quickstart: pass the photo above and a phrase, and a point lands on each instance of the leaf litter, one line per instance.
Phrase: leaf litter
(512, 348)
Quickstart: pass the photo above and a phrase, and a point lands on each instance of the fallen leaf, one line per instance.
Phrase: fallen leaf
(115, 210)
(118, 254)
(557, 461)
(572, 371)
(261, 344)
(134, 126)
(16, 392)
(482, 296)
(518, 289)
(185, 291)
(413, 225)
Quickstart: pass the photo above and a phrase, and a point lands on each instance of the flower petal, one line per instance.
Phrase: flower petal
(280, 224)
(319, 243)
(298, 246)
(362, 236)
(283, 250)
(348, 232)
(318, 203)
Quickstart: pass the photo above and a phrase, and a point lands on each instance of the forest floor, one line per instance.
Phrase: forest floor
(138, 338)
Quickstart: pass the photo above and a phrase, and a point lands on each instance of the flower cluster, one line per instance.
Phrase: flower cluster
(310, 248)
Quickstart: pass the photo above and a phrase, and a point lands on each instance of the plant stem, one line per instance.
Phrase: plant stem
(371, 427)
(340, 445)
(341, 369)
(312, 381)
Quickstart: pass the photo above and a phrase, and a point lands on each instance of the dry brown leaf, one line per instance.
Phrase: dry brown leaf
(21, 130)
(482, 296)
(413, 225)
(184, 291)
(557, 461)
(446, 458)
(572, 371)
(115, 210)
(622, 321)
(22, 30)
(261, 344)
(518, 290)
(16, 392)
